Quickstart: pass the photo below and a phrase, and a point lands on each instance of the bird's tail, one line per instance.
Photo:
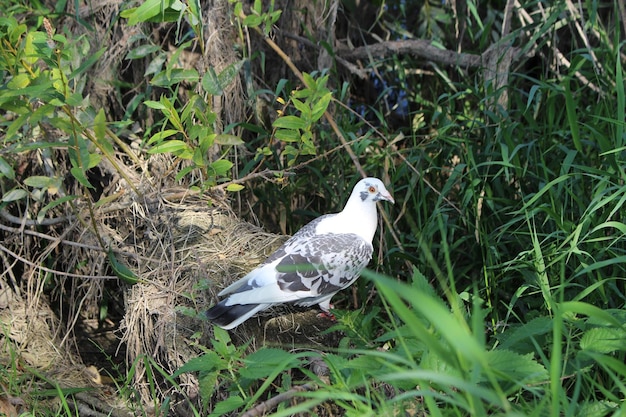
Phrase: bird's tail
(228, 317)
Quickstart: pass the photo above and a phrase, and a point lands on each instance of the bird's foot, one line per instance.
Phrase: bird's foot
(327, 315)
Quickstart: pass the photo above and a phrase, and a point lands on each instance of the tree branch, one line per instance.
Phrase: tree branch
(262, 408)
(419, 48)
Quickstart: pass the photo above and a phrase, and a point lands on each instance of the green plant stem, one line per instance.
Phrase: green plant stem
(110, 158)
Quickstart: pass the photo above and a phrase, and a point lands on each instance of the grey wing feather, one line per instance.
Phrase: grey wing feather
(322, 264)
(307, 231)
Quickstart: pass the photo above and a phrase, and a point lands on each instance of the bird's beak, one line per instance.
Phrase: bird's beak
(388, 197)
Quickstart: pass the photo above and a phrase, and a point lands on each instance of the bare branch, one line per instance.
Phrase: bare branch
(419, 48)
(262, 408)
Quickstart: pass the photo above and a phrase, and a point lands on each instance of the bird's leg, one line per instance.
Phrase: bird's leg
(325, 306)
(327, 315)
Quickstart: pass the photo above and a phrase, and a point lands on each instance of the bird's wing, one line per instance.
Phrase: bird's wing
(323, 264)
(245, 284)
(310, 266)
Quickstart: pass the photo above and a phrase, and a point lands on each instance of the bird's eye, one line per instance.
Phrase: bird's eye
(371, 189)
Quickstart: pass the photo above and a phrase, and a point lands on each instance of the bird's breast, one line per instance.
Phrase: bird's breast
(363, 225)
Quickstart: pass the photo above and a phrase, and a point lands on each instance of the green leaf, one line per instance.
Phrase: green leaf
(571, 108)
(76, 100)
(142, 51)
(229, 73)
(121, 270)
(287, 135)
(520, 337)
(170, 146)
(39, 181)
(309, 81)
(85, 65)
(18, 82)
(159, 136)
(26, 147)
(147, 11)
(456, 332)
(79, 174)
(211, 83)
(214, 84)
(208, 382)
(53, 204)
(267, 361)
(99, 125)
(186, 170)
(157, 105)
(206, 363)
(195, 12)
(14, 195)
(598, 409)
(512, 366)
(604, 340)
(221, 167)
(156, 64)
(170, 112)
(205, 139)
(227, 406)
(41, 90)
(6, 169)
(232, 140)
(93, 160)
(594, 312)
(252, 20)
(79, 158)
(15, 126)
(30, 53)
(274, 16)
(320, 107)
(198, 157)
(258, 7)
(234, 187)
(303, 107)
(290, 122)
(221, 342)
(174, 76)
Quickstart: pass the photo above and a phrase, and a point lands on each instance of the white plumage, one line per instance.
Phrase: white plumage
(324, 257)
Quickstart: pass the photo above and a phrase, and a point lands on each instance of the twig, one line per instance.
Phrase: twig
(325, 154)
(576, 16)
(526, 19)
(30, 222)
(267, 173)
(327, 115)
(8, 270)
(298, 74)
(76, 244)
(265, 406)
(380, 134)
(53, 271)
(359, 72)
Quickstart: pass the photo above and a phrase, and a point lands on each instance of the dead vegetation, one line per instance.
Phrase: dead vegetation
(63, 311)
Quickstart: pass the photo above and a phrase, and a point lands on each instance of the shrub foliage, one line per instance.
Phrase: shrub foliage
(500, 127)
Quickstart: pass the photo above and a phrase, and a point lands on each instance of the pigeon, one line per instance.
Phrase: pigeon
(325, 256)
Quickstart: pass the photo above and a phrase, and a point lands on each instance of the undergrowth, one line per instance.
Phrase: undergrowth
(501, 280)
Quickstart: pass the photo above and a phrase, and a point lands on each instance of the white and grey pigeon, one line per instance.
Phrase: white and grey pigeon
(324, 257)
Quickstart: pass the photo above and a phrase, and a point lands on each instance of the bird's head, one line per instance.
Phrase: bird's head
(359, 215)
(372, 189)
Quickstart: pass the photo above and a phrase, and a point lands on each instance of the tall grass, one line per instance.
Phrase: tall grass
(501, 290)
(516, 232)
(507, 294)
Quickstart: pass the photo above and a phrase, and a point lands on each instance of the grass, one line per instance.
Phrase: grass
(500, 290)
